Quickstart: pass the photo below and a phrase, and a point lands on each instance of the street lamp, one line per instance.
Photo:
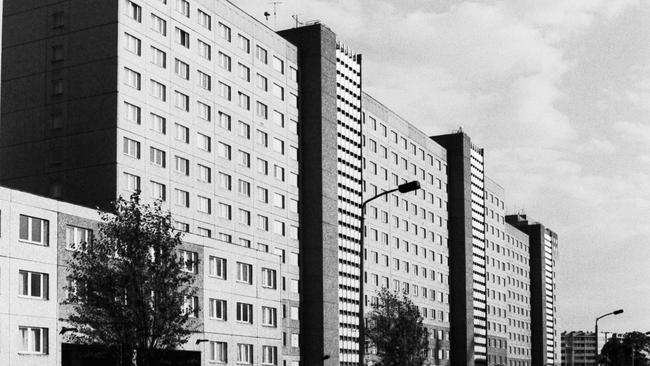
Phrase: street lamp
(402, 188)
(615, 312)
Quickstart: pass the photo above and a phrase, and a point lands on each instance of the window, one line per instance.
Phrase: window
(278, 173)
(244, 217)
(157, 157)
(205, 205)
(269, 316)
(269, 355)
(34, 340)
(244, 130)
(278, 146)
(34, 230)
(134, 11)
(278, 118)
(182, 101)
(182, 165)
(262, 110)
(224, 91)
(278, 65)
(58, 20)
(225, 211)
(262, 54)
(158, 123)
(182, 69)
(132, 44)
(269, 278)
(190, 261)
(262, 82)
(57, 87)
(244, 101)
(244, 188)
(293, 73)
(244, 159)
(204, 173)
(205, 50)
(158, 57)
(295, 340)
(244, 44)
(204, 20)
(203, 142)
(218, 309)
(224, 150)
(182, 198)
(224, 61)
(224, 31)
(204, 111)
(245, 312)
(244, 72)
(182, 133)
(158, 24)
(34, 284)
(217, 267)
(191, 306)
(158, 90)
(278, 200)
(225, 181)
(158, 191)
(244, 353)
(131, 148)
(76, 238)
(132, 78)
(262, 194)
(182, 226)
(205, 81)
(244, 273)
(183, 7)
(182, 38)
(132, 182)
(219, 352)
(262, 166)
(262, 223)
(279, 227)
(224, 121)
(133, 112)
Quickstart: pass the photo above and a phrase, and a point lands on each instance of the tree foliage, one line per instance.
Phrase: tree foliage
(128, 285)
(632, 349)
(395, 329)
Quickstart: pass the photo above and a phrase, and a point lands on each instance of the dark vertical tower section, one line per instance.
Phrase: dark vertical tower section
(318, 193)
(59, 99)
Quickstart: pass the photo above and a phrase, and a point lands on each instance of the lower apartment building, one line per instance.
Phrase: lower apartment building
(241, 304)
(578, 348)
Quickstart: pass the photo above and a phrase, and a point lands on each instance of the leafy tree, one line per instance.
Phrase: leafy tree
(629, 350)
(129, 284)
(395, 328)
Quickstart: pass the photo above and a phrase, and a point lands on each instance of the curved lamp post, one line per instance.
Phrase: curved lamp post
(615, 312)
(402, 188)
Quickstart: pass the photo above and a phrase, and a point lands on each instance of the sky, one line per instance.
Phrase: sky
(558, 94)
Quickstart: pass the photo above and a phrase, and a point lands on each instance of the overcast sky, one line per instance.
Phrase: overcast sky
(558, 93)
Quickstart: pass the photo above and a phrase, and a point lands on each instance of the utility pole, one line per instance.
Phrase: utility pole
(298, 23)
(275, 16)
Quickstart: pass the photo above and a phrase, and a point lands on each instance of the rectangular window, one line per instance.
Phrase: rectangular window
(244, 353)
(218, 309)
(190, 261)
(158, 57)
(217, 267)
(157, 157)
(244, 130)
(224, 61)
(244, 217)
(224, 121)
(219, 352)
(133, 112)
(158, 191)
(225, 211)
(244, 101)
(182, 133)
(224, 91)
(203, 142)
(182, 198)
(182, 101)
(278, 146)
(205, 81)
(204, 111)
(244, 313)
(158, 24)
(278, 65)
(262, 166)
(132, 44)
(183, 7)
(205, 50)
(244, 159)
(77, 238)
(204, 173)
(278, 118)
(131, 148)
(293, 73)
(34, 284)
(182, 165)
(278, 91)
(244, 44)
(269, 278)
(224, 150)
(191, 306)
(204, 20)
(182, 69)
(244, 72)
(224, 31)
(269, 316)
(205, 205)
(132, 78)
(262, 110)
(225, 181)
(262, 55)
(34, 340)
(269, 355)
(158, 90)
(263, 196)
(244, 273)
(132, 182)
(134, 11)
(262, 82)
(182, 38)
(158, 123)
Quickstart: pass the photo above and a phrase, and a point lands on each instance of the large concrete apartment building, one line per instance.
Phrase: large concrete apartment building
(263, 146)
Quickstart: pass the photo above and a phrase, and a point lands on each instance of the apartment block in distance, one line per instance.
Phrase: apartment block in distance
(192, 102)
(406, 234)
(578, 348)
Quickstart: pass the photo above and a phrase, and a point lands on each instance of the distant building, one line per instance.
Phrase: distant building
(578, 348)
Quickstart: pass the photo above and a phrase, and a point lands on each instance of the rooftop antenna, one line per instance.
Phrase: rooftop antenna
(295, 17)
(275, 16)
(266, 15)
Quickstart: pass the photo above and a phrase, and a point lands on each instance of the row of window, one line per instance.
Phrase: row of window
(218, 268)
(244, 353)
(417, 270)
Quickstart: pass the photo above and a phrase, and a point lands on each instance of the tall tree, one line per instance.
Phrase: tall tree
(629, 350)
(395, 329)
(129, 288)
